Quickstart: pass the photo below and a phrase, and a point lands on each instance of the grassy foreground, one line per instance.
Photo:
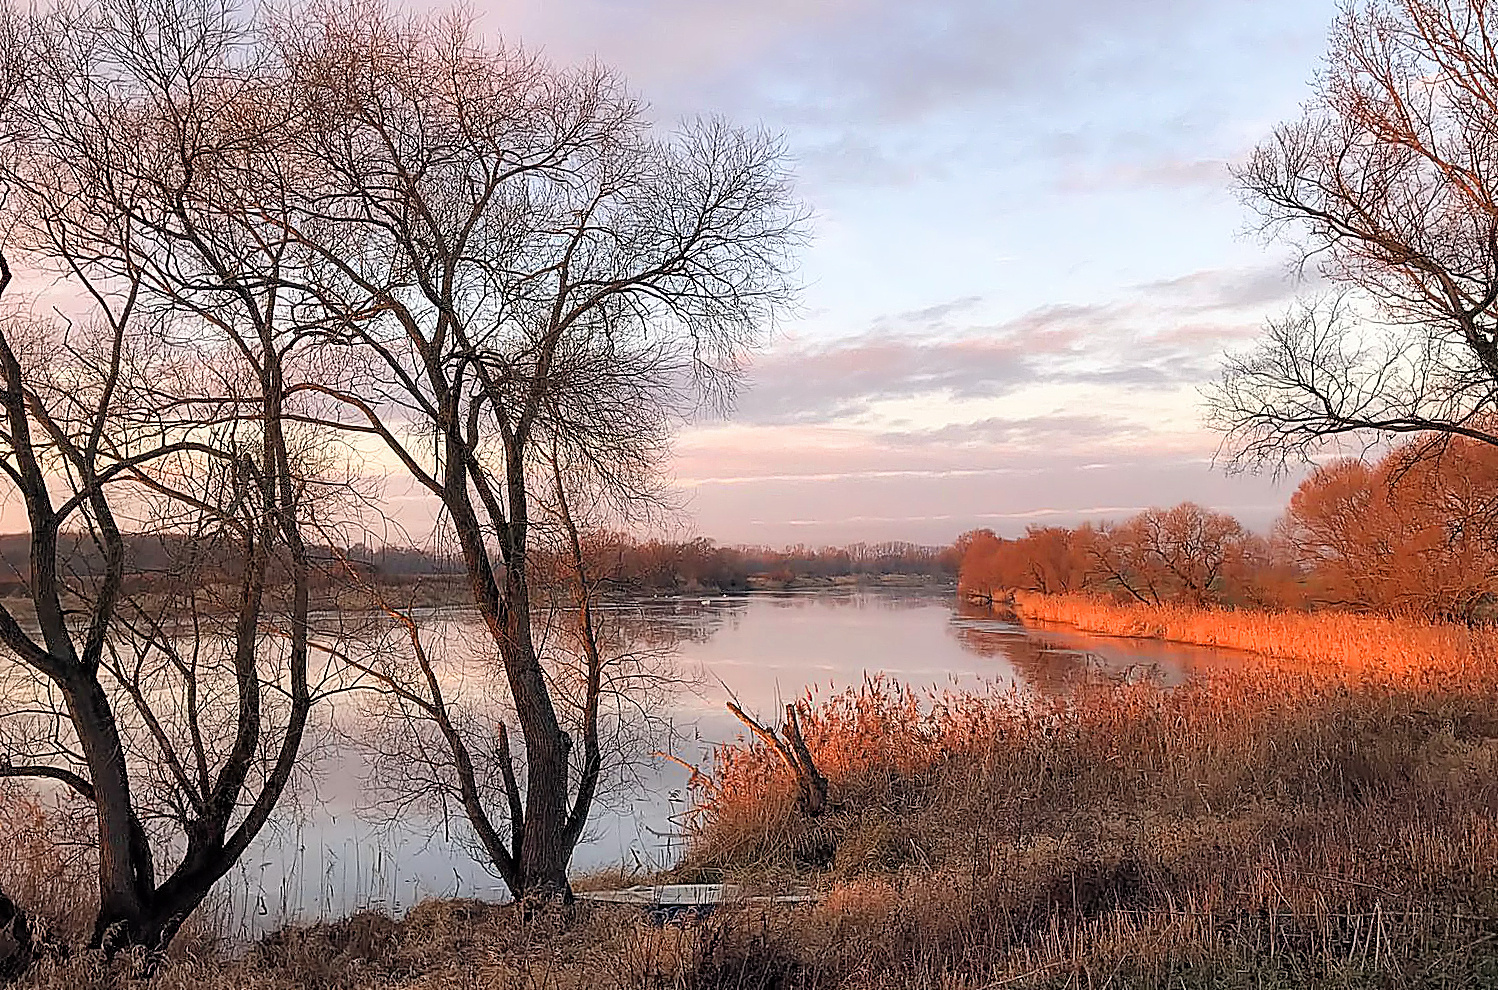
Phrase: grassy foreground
(1301, 824)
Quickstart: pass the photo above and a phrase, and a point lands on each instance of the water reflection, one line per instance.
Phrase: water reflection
(1056, 659)
(378, 826)
(328, 856)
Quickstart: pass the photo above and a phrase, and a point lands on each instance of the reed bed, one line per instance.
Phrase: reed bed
(44, 863)
(1343, 641)
(1286, 825)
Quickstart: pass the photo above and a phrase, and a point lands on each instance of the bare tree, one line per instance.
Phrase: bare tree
(1052, 560)
(1387, 182)
(1184, 553)
(174, 703)
(523, 269)
(1188, 547)
(15, 930)
(439, 733)
(175, 706)
(485, 265)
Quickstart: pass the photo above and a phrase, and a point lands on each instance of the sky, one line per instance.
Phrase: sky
(1028, 255)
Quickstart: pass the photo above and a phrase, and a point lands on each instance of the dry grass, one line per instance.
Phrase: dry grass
(1295, 824)
(1346, 641)
(1286, 826)
(44, 866)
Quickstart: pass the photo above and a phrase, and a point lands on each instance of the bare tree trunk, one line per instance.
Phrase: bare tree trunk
(16, 943)
(126, 873)
(543, 852)
(522, 272)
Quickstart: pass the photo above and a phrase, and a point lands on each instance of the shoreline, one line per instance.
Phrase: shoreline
(1344, 641)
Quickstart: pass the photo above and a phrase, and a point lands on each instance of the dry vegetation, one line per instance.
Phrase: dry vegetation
(1344, 641)
(44, 869)
(1293, 825)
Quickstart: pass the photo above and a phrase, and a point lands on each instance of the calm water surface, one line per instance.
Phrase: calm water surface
(328, 859)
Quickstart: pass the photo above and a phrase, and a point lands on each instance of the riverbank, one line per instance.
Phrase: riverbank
(1274, 827)
(1341, 641)
(1280, 826)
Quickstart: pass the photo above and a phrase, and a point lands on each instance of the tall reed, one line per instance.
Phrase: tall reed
(1286, 823)
(1348, 641)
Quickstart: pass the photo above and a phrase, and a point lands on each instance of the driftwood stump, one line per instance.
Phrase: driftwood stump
(16, 945)
(811, 786)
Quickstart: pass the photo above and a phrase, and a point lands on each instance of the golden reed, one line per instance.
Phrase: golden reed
(1344, 641)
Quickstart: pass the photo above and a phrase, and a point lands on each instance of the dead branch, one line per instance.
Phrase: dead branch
(811, 786)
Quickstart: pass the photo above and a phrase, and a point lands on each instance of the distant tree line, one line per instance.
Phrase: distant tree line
(151, 557)
(1412, 533)
(623, 564)
(663, 566)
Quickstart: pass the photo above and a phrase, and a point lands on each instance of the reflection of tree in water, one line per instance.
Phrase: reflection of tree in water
(407, 776)
(1046, 663)
(383, 762)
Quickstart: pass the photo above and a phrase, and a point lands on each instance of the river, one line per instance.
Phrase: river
(330, 857)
